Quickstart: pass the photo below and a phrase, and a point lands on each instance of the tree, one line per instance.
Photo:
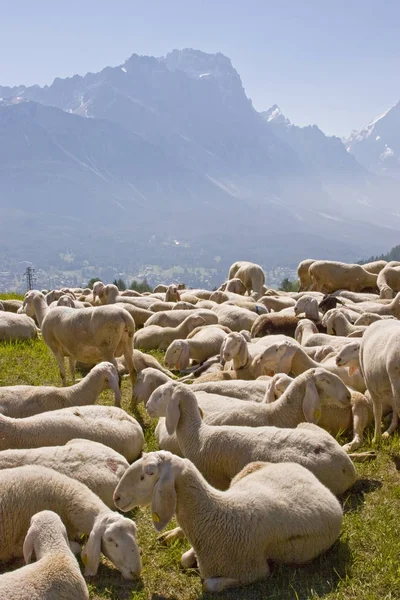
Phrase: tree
(287, 285)
(120, 283)
(92, 281)
(140, 286)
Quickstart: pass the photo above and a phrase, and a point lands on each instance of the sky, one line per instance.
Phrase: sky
(334, 63)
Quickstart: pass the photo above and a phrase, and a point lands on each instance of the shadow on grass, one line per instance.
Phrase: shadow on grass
(109, 578)
(286, 582)
(161, 597)
(354, 499)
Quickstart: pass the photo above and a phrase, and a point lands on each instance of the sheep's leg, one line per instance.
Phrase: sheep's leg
(377, 406)
(395, 383)
(218, 584)
(72, 362)
(170, 536)
(61, 366)
(360, 421)
(189, 559)
(131, 367)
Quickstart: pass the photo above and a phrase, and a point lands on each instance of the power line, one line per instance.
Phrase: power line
(30, 278)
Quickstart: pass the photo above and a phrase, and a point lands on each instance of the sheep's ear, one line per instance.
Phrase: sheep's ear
(163, 504)
(91, 553)
(221, 353)
(172, 414)
(28, 545)
(270, 393)
(285, 364)
(243, 353)
(311, 403)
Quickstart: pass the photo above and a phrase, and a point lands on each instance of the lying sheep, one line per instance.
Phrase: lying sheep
(235, 285)
(16, 327)
(353, 417)
(303, 400)
(20, 401)
(11, 305)
(274, 324)
(159, 338)
(89, 335)
(105, 424)
(286, 357)
(201, 344)
(96, 465)
(293, 517)
(220, 452)
(337, 324)
(55, 575)
(234, 317)
(31, 489)
(307, 335)
(173, 318)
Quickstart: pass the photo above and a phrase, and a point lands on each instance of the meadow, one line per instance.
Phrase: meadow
(363, 565)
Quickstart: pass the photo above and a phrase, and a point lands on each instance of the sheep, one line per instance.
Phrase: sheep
(334, 418)
(200, 344)
(89, 335)
(328, 302)
(253, 278)
(375, 266)
(20, 401)
(307, 335)
(285, 357)
(277, 303)
(308, 305)
(150, 379)
(231, 543)
(94, 464)
(105, 424)
(220, 452)
(16, 327)
(234, 285)
(141, 361)
(160, 306)
(379, 358)
(368, 318)
(29, 489)
(233, 269)
(55, 575)
(388, 282)
(303, 274)
(234, 317)
(329, 276)
(11, 305)
(159, 338)
(304, 399)
(383, 307)
(274, 324)
(173, 318)
(238, 351)
(109, 294)
(337, 324)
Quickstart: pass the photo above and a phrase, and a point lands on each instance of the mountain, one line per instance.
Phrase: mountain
(163, 161)
(377, 146)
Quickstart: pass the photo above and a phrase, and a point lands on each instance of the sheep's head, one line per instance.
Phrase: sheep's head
(46, 534)
(151, 479)
(110, 380)
(107, 293)
(29, 300)
(276, 387)
(157, 403)
(177, 355)
(302, 325)
(329, 301)
(172, 294)
(330, 387)
(146, 382)
(53, 296)
(65, 300)
(386, 292)
(232, 346)
(307, 305)
(115, 536)
(276, 358)
(349, 356)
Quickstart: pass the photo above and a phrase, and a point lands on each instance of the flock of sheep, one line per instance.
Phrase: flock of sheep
(256, 384)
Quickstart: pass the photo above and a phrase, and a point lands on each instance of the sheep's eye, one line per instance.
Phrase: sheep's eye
(142, 477)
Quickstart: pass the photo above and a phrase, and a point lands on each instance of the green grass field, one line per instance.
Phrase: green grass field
(363, 565)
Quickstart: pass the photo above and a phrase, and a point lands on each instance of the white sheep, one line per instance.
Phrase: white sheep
(307, 305)
(308, 336)
(87, 335)
(220, 452)
(105, 424)
(304, 275)
(379, 363)
(234, 285)
(337, 324)
(20, 401)
(159, 338)
(11, 305)
(328, 276)
(201, 343)
(94, 464)
(173, 318)
(253, 278)
(55, 575)
(286, 357)
(16, 327)
(234, 317)
(389, 281)
(293, 517)
(31, 489)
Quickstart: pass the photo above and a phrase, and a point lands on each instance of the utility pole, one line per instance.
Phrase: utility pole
(30, 278)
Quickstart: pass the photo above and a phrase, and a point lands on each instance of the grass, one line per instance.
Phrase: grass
(363, 565)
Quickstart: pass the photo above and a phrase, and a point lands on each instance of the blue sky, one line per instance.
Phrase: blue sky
(335, 63)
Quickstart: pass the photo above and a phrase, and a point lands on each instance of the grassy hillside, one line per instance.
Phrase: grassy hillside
(362, 565)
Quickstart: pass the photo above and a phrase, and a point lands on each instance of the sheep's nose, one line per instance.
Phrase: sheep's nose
(117, 498)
